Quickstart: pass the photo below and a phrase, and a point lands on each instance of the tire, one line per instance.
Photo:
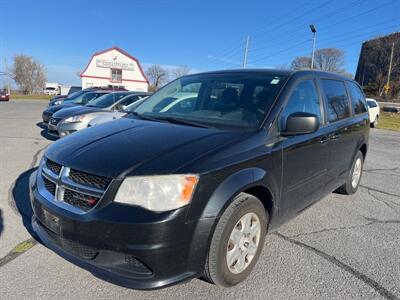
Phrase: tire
(350, 187)
(217, 269)
(375, 123)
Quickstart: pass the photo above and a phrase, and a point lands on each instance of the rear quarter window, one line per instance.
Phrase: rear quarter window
(358, 101)
(337, 106)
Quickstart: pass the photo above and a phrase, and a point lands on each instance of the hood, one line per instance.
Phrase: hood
(128, 146)
(54, 109)
(106, 117)
(75, 111)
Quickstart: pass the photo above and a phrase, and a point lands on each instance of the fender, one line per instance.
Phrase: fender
(217, 203)
(232, 186)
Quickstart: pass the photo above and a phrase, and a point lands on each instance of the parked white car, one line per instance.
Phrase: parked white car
(373, 109)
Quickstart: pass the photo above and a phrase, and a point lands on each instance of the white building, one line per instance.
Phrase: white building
(114, 67)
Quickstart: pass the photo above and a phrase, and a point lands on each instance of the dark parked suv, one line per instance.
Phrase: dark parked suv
(188, 184)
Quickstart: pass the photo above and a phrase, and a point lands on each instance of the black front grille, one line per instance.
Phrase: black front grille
(89, 179)
(79, 200)
(50, 187)
(53, 166)
(55, 121)
(72, 246)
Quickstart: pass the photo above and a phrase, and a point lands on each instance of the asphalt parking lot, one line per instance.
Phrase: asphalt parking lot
(343, 247)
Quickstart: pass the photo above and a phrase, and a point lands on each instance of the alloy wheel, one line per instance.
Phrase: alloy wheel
(243, 243)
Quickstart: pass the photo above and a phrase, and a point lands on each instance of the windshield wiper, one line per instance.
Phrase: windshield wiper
(168, 119)
(182, 122)
(143, 117)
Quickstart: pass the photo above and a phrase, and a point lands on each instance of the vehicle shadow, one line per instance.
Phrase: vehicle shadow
(44, 133)
(1, 222)
(48, 136)
(41, 125)
(21, 202)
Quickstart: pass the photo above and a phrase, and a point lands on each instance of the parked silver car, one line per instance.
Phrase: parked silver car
(114, 115)
(76, 118)
(179, 103)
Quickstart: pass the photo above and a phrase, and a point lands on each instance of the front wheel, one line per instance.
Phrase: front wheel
(237, 241)
(354, 177)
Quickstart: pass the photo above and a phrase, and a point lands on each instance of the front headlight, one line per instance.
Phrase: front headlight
(74, 119)
(58, 102)
(157, 193)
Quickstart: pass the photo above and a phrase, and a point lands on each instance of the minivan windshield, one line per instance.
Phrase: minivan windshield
(238, 100)
(107, 100)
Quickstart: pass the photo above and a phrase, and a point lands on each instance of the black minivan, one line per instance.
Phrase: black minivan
(189, 183)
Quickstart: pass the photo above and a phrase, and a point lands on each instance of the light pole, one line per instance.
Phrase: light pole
(314, 32)
(246, 52)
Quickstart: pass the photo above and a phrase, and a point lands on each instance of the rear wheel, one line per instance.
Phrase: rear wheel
(354, 177)
(237, 241)
(375, 123)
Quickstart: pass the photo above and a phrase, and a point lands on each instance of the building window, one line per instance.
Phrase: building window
(116, 75)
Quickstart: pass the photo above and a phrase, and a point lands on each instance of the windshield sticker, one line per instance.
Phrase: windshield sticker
(274, 81)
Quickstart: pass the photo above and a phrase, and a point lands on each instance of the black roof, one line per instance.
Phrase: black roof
(276, 72)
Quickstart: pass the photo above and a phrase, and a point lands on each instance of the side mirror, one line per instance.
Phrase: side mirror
(301, 123)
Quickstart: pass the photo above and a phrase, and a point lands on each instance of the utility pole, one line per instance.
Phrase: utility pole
(6, 72)
(246, 51)
(314, 32)
(387, 87)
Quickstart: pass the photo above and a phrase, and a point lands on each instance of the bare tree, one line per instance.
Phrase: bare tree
(329, 59)
(157, 76)
(301, 63)
(283, 66)
(28, 73)
(181, 71)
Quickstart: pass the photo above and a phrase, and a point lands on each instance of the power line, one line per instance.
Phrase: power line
(302, 15)
(324, 44)
(282, 16)
(282, 51)
(349, 5)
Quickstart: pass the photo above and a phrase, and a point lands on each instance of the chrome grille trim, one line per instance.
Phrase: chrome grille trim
(63, 183)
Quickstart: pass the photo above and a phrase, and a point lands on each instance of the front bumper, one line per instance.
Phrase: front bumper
(68, 128)
(52, 130)
(125, 245)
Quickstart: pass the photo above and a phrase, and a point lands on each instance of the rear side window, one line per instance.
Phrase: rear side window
(304, 98)
(372, 104)
(337, 100)
(357, 99)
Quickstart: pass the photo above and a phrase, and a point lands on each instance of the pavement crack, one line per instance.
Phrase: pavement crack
(388, 203)
(377, 221)
(21, 138)
(379, 191)
(17, 251)
(383, 171)
(332, 229)
(383, 201)
(333, 260)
